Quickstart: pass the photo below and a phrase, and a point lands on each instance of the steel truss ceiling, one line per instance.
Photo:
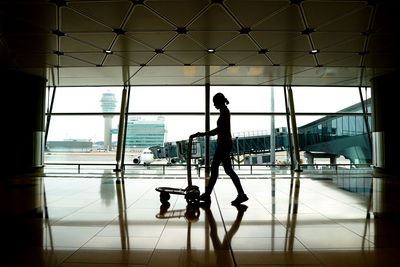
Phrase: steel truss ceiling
(191, 42)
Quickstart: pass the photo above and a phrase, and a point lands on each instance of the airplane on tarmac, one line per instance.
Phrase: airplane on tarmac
(146, 157)
(151, 154)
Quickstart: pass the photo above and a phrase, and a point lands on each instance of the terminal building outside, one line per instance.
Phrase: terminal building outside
(142, 134)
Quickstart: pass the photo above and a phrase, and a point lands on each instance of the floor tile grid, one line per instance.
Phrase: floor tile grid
(226, 232)
(352, 195)
(321, 253)
(163, 230)
(203, 253)
(66, 260)
(305, 245)
(316, 253)
(275, 259)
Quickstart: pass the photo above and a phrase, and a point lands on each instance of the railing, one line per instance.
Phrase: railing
(235, 166)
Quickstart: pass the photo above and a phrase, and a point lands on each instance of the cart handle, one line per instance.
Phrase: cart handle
(189, 162)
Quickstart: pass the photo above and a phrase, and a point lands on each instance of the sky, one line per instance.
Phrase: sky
(191, 99)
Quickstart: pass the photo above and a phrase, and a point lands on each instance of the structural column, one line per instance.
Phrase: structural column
(207, 138)
(272, 135)
(24, 120)
(385, 146)
(385, 133)
(294, 128)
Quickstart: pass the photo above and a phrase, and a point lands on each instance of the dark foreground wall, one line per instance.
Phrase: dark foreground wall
(385, 123)
(22, 125)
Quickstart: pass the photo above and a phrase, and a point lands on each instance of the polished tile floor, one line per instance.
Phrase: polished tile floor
(289, 220)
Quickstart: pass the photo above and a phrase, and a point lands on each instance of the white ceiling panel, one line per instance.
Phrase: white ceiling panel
(211, 39)
(94, 58)
(255, 41)
(236, 56)
(72, 21)
(339, 59)
(240, 43)
(186, 57)
(143, 19)
(210, 59)
(101, 40)
(110, 13)
(332, 41)
(135, 57)
(287, 19)
(215, 18)
(258, 10)
(299, 43)
(268, 39)
(357, 21)
(72, 61)
(256, 60)
(71, 44)
(155, 40)
(124, 44)
(180, 13)
(163, 60)
(184, 43)
(321, 13)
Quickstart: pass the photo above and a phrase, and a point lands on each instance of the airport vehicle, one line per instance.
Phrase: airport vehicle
(191, 192)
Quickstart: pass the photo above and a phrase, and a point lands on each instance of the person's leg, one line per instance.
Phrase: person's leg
(214, 175)
(226, 162)
(217, 159)
(242, 197)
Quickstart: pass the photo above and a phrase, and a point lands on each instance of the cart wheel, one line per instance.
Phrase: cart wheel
(192, 213)
(164, 208)
(164, 197)
(192, 197)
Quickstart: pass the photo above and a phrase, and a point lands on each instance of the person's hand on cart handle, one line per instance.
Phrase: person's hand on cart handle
(196, 135)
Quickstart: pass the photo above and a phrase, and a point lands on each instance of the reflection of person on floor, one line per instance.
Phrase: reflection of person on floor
(221, 155)
(232, 231)
(107, 189)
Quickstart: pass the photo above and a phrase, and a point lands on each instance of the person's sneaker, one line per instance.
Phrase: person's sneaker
(239, 199)
(205, 198)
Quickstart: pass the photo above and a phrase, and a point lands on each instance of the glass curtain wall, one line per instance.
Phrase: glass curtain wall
(339, 134)
(84, 124)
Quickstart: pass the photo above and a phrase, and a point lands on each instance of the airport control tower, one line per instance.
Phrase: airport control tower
(108, 105)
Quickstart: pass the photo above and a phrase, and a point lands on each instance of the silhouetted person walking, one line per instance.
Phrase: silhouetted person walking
(221, 155)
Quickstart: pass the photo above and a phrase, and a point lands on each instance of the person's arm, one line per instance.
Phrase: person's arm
(208, 133)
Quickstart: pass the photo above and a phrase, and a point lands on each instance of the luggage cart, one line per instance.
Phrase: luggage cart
(191, 192)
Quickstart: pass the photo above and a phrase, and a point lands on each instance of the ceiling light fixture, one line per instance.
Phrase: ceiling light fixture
(181, 30)
(119, 31)
(108, 52)
(137, 2)
(58, 33)
(314, 51)
(308, 31)
(295, 2)
(245, 31)
(211, 51)
(58, 3)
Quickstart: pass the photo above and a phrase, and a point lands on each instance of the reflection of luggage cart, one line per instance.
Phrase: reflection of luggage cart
(191, 213)
(191, 192)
